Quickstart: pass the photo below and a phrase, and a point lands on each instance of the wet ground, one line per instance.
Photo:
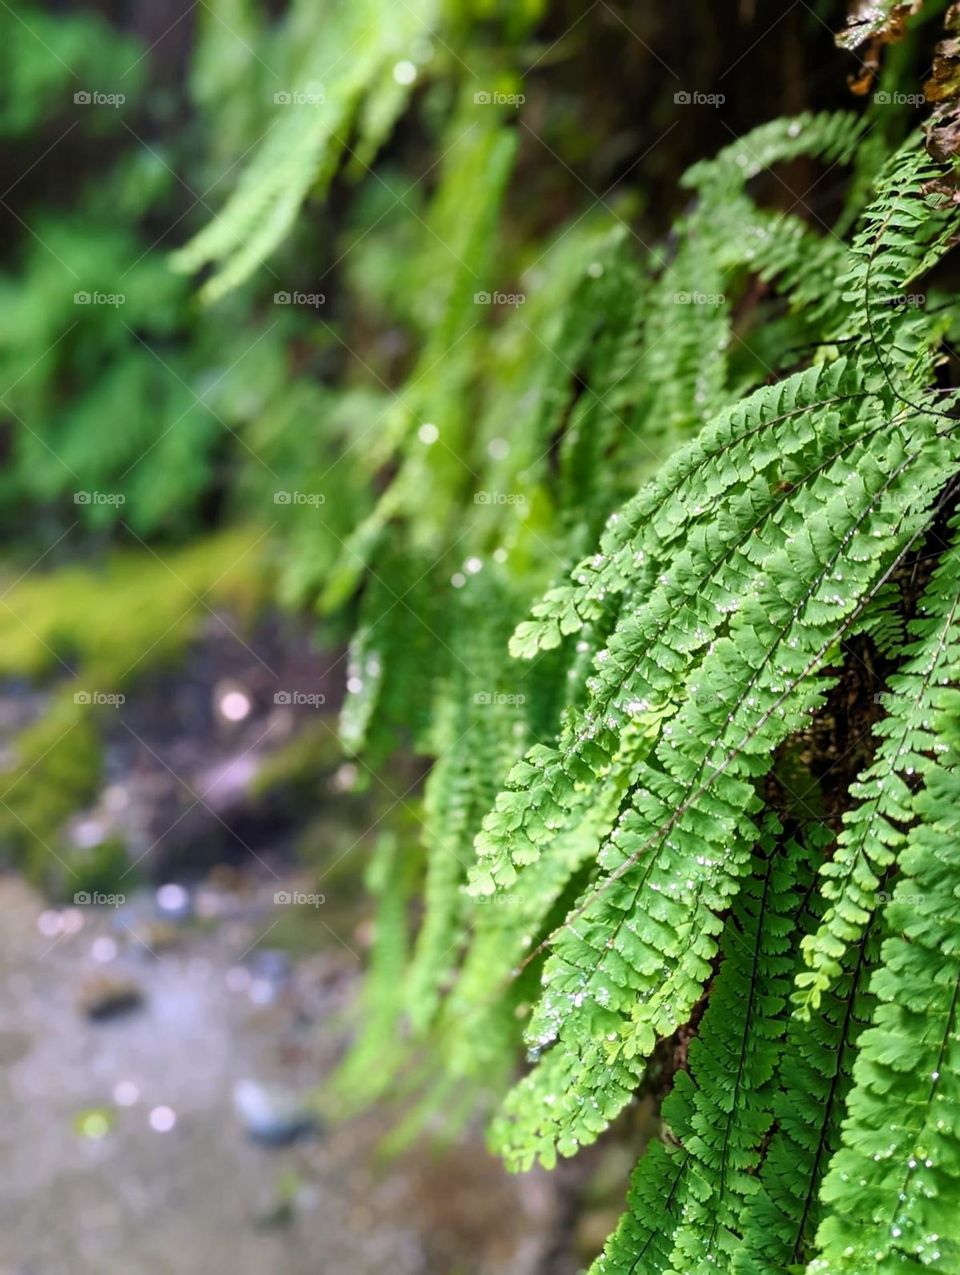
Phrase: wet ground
(124, 1153)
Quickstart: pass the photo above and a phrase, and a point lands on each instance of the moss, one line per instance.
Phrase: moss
(293, 773)
(57, 773)
(106, 624)
(104, 869)
(96, 631)
(299, 931)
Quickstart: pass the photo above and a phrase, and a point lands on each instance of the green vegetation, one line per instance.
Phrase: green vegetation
(108, 618)
(642, 514)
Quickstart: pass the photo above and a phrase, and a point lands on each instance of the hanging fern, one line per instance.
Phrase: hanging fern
(716, 612)
(326, 82)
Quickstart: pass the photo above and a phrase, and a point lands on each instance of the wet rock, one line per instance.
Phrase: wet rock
(174, 1183)
(14, 1045)
(160, 936)
(184, 767)
(174, 902)
(280, 1208)
(105, 996)
(272, 1115)
(94, 1123)
(279, 1214)
(272, 964)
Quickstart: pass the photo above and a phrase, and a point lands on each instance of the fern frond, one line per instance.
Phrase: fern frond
(506, 925)
(643, 1240)
(480, 727)
(892, 1187)
(874, 831)
(829, 136)
(354, 55)
(367, 1070)
(720, 1110)
(632, 870)
(815, 1075)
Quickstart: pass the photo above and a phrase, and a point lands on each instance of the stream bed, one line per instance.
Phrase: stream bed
(124, 1037)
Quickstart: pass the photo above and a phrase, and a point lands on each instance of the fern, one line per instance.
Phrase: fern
(635, 852)
(891, 1190)
(873, 835)
(642, 876)
(315, 108)
(721, 1109)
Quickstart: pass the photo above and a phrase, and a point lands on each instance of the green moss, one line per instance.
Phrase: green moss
(57, 773)
(293, 773)
(104, 869)
(108, 623)
(97, 630)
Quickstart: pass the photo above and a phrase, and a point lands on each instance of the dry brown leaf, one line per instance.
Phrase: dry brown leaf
(871, 24)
